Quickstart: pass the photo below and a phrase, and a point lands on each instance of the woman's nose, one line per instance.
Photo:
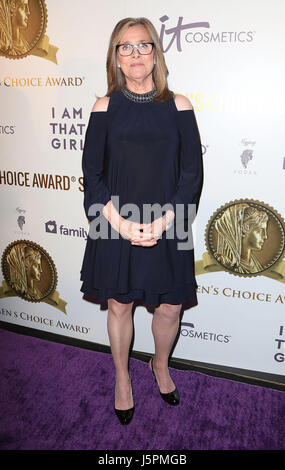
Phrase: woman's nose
(135, 52)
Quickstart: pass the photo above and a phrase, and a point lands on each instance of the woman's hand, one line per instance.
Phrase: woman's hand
(131, 231)
(151, 233)
(128, 230)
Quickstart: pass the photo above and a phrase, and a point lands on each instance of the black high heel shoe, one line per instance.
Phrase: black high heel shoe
(125, 416)
(172, 398)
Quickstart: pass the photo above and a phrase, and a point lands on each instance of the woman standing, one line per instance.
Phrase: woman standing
(142, 145)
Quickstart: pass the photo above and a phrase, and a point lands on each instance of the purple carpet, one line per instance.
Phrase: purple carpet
(61, 397)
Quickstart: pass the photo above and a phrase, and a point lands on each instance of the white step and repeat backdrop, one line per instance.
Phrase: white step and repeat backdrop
(228, 58)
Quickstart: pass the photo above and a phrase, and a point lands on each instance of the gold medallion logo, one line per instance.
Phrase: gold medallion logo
(22, 30)
(30, 273)
(245, 238)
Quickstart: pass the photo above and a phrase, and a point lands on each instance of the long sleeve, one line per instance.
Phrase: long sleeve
(95, 189)
(191, 167)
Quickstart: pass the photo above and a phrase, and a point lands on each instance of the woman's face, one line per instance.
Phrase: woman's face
(136, 66)
(36, 269)
(22, 13)
(257, 236)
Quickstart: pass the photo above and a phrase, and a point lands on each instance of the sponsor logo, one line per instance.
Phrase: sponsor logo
(23, 25)
(21, 219)
(199, 32)
(247, 154)
(52, 227)
(188, 330)
(204, 149)
(30, 273)
(245, 157)
(21, 222)
(67, 129)
(245, 238)
(280, 356)
(225, 101)
(7, 129)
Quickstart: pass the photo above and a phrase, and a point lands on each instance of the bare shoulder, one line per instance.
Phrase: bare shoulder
(101, 104)
(182, 102)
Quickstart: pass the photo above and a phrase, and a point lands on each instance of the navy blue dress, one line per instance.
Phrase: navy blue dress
(146, 152)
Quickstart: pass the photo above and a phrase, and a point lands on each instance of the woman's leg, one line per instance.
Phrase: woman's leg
(165, 326)
(120, 330)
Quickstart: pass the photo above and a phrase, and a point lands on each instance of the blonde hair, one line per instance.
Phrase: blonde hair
(115, 77)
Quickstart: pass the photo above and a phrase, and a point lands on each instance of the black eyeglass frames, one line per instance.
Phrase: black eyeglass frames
(143, 48)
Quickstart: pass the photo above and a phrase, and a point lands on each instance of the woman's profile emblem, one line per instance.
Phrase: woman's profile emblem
(246, 237)
(22, 30)
(14, 18)
(29, 270)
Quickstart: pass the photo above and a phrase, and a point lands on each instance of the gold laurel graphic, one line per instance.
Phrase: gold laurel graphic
(22, 30)
(30, 273)
(246, 238)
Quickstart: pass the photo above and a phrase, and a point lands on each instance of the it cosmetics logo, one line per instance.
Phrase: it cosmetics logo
(7, 129)
(188, 330)
(172, 34)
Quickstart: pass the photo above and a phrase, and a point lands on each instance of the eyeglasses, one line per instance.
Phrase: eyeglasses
(143, 48)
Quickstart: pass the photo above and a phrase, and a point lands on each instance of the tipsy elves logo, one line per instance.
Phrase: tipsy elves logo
(199, 37)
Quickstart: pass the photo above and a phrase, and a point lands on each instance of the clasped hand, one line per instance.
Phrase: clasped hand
(149, 235)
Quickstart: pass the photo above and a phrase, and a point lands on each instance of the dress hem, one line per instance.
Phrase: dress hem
(186, 294)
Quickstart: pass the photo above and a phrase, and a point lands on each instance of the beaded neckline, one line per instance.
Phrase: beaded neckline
(140, 97)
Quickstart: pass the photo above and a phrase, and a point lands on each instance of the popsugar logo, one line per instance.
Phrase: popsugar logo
(198, 32)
